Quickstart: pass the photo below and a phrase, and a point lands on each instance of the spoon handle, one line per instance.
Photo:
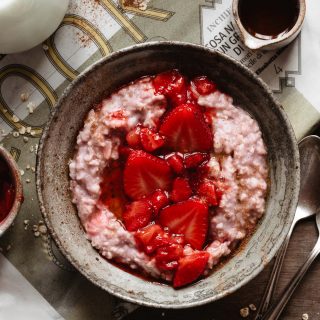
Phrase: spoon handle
(275, 310)
(273, 280)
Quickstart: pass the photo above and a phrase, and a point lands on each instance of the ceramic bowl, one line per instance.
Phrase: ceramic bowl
(57, 147)
(254, 43)
(18, 199)
(25, 24)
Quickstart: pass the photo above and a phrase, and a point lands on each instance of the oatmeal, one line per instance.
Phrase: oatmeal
(169, 176)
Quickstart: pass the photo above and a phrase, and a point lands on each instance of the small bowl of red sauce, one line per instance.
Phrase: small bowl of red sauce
(11, 194)
(268, 24)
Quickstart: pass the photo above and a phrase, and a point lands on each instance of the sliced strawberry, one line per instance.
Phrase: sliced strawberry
(203, 86)
(176, 162)
(207, 190)
(137, 215)
(151, 140)
(190, 268)
(186, 130)
(153, 237)
(195, 159)
(144, 237)
(173, 85)
(133, 137)
(144, 174)
(159, 199)
(167, 257)
(189, 218)
(181, 190)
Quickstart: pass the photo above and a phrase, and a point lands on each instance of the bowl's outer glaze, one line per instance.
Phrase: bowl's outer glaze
(57, 147)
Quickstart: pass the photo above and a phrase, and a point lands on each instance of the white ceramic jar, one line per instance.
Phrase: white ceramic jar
(26, 23)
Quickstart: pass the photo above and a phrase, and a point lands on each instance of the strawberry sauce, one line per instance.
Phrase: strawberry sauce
(159, 187)
(7, 190)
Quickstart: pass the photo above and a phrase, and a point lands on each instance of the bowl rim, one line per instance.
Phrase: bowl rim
(248, 73)
(18, 199)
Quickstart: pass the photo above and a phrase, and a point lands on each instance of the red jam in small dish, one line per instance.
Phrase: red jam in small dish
(7, 190)
(168, 176)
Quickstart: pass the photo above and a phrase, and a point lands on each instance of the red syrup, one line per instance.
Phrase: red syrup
(7, 190)
(181, 93)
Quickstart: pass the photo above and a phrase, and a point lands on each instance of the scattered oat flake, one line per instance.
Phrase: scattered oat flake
(252, 307)
(26, 221)
(21, 172)
(16, 134)
(33, 169)
(28, 181)
(33, 133)
(25, 139)
(31, 148)
(24, 96)
(244, 312)
(28, 167)
(22, 130)
(305, 316)
(15, 119)
(36, 234)
(45, 47)
(28, 129)
(43, 229)
(31, 106)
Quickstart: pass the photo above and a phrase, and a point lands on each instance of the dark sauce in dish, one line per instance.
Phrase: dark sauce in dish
(7, 190)
(268, 19)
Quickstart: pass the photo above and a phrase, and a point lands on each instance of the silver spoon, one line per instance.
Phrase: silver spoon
(308, 205)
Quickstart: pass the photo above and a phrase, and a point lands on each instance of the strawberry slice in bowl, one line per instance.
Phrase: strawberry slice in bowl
(181, 190)
(137, 215)
(190, 268)
(189, 218)
(172, 85)
(145, 173)
(186, 130)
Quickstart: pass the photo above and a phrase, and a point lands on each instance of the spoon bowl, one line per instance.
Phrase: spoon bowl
(309, 199)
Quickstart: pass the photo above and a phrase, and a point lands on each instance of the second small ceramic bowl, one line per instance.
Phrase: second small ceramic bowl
(18, 198)
(254, 43)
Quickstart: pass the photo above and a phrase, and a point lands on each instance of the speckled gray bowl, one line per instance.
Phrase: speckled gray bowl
(18, 199)
(57, 147)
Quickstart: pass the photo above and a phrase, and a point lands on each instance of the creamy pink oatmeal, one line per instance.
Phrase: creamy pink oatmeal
(169, 175)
